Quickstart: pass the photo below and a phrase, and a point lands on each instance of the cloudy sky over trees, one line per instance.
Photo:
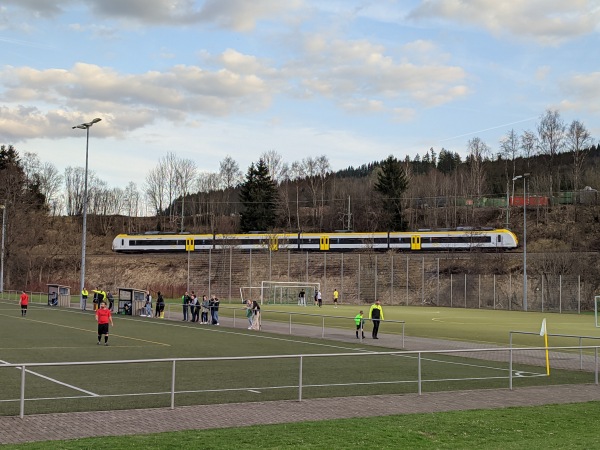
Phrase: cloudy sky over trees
(353, 80)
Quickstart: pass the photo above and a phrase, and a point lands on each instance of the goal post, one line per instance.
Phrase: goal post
(280, 292)
(596, 300)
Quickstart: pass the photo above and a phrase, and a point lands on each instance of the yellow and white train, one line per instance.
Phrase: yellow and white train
(464, 238)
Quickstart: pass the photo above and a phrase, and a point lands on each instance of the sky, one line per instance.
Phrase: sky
(353, 80)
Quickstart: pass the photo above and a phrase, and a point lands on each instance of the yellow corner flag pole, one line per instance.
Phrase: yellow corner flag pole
(544, 333)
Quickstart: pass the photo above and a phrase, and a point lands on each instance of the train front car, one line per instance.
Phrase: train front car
(149, 242)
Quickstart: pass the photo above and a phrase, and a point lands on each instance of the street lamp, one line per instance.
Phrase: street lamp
(86, 127)
(524, 176)
(3, 207)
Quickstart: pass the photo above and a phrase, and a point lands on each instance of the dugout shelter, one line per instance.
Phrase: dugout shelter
(59, 295)
(130, 301)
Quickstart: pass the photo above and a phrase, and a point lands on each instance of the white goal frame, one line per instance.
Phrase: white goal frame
(271, 292)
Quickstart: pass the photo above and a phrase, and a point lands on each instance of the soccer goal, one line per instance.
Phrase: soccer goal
(280, 292)
(596, 300)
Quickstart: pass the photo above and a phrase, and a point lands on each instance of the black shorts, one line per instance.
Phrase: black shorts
(103, 328)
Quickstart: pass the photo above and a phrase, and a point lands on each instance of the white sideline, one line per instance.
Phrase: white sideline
(53, 380)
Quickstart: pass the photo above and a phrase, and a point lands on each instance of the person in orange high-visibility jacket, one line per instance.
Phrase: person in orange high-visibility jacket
(376, 315)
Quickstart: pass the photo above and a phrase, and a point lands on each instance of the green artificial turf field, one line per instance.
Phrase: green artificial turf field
(69, 335)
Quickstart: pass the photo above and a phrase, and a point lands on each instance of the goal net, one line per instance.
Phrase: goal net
(281, 292)
(596, 301)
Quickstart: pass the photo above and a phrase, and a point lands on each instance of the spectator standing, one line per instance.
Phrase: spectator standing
(111, 301)
(302, 298)
(84, 297)
(205, 309)
(148, 304)
(185, 300)
(249, 313)
(23, 302)
(319, 299)
(160, 306)
(255, 316)
(103, 317)
(214, 310)
(194, 307)
(336, 295)
(376, 315)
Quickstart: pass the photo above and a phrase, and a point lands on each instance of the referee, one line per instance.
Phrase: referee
(103, 317)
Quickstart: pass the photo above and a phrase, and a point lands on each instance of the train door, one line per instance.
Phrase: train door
(190, 245)
(415, 242)
(324, 243)
(273, 243)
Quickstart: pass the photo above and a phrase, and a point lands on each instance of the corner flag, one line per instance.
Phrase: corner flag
(543, 330)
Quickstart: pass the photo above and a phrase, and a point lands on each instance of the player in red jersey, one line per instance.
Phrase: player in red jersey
(103, 317)
(24, 301)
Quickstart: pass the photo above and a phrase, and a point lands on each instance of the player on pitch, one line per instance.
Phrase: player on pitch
(103, 317)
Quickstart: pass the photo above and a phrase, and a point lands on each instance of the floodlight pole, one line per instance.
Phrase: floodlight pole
(85, 126)
(2, 254)
(524, 176)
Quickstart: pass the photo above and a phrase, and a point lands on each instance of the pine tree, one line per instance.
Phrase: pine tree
(258, 195)
(391, 184)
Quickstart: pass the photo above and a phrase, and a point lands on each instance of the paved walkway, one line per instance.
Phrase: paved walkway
(104, 423)
(45, 427)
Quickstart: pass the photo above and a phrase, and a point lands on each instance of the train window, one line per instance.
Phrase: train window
(499, 238)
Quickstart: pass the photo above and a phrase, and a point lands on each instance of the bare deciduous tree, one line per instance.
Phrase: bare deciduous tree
(528, 145)
(230, 172)
(579, 141)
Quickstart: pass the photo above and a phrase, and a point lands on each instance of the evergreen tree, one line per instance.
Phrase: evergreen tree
(391, 184)
(258, 195)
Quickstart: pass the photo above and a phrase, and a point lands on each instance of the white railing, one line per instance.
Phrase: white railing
(26, 367)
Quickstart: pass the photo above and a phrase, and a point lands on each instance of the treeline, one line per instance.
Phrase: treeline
(397, 193)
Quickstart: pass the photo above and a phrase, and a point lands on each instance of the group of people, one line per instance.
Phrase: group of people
(375, 316)
(318, 298)
(195, 310)
(99, 295)
(253, 314)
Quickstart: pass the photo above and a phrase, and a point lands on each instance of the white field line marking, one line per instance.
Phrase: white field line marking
(90, 331)
(54, 380)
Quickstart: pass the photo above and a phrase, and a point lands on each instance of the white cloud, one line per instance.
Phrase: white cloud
(548, 22)
(583, 93)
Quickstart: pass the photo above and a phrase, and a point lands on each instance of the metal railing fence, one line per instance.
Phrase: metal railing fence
(421, 356)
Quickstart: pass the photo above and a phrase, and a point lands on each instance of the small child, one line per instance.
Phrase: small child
(360, 324)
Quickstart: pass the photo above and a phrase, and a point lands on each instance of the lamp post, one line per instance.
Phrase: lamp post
(524, 176)
(3, 207)
(85, 126)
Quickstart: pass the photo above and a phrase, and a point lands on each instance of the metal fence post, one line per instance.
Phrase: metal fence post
(392, 279)
(22, 399)
(342, 277)
(407, 281)
(423, 281)
(578, 294)
(596, 366)
(358, 293)
(419, 373)
(451, 290)
(250, 268)
(465, 290)
(173, 386)
(560, 294)
(230, 264)
(375, 275)
(510, 365)
(438, 281)
(210, 269)
(300, 380)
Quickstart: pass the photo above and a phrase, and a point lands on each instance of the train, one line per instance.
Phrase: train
(463, 238)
